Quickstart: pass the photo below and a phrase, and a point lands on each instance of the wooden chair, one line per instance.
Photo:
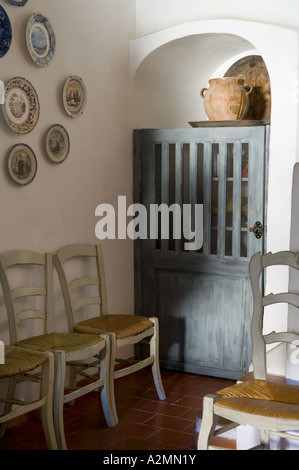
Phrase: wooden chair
(271, 407)
(27, 282)
(126, 329)
(21, 365)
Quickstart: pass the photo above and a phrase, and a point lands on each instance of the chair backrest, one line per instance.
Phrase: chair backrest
(257, 268)
(80, 269)
(27, 282)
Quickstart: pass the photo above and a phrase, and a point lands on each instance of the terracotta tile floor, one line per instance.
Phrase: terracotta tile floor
(145, 422)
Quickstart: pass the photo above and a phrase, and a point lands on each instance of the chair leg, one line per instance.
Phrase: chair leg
(208, 425)
(10, 395)
(154, 351)
(47, 409)
(107, 373)
(59, 381)
(265, 439)
(72, 382)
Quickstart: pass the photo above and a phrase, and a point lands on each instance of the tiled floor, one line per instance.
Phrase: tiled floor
(145, 422)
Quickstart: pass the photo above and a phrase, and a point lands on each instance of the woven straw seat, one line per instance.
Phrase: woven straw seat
(27, 280)
(81, 273)
(67, 342)
(268, 406)
(262, 397)
(123, 326)
(22, 365)
(19, 361)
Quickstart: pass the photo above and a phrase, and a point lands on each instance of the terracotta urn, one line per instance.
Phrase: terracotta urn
(226, 99)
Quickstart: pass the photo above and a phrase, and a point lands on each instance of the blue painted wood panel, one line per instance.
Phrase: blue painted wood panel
(202, 298)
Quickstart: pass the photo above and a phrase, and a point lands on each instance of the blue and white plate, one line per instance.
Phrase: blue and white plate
(5, 32)
(40, 39)
(18, 3)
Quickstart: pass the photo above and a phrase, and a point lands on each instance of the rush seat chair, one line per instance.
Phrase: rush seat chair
(91, 285)
(27, 283)
(269, 406)
(21, 365)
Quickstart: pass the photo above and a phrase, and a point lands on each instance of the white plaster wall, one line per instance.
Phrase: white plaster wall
(58, 207)
(169, 68)
(156, 15)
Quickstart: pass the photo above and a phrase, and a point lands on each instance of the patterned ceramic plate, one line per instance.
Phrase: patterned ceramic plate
(22, 164)
(74, 96)
(18, 3)
(254, 72)
(57, 143)
(21, 106)
(40, 39)
(5, 32)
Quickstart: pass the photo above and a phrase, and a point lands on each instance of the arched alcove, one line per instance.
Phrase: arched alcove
(168, 81)
(170, 67)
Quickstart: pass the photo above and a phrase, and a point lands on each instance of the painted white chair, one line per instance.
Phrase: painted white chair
(125, 329)
(269, 406)
(21, 365)
(27, 282)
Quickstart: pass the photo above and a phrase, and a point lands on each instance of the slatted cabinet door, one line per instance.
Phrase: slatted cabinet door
(201, 296)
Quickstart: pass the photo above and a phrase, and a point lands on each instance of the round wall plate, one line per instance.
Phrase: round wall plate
(21, 105)
(57, 143)
(18, 3)
(40, 39)
(5, 32)
(22, 164)
(74, 96)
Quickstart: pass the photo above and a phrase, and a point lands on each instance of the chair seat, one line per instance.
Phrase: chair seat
(68, 342)
(261, 397)
(18, 361)
(123, 326)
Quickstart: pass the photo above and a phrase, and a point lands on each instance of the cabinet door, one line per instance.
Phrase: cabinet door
(202, 297)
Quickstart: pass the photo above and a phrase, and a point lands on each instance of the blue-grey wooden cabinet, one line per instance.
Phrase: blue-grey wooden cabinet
(202, 297)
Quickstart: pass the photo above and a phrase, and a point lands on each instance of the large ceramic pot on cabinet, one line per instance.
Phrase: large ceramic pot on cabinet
(226, 99)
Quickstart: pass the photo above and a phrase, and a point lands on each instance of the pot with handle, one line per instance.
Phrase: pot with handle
(226, 99)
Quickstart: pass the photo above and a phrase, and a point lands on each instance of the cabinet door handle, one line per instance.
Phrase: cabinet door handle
(257, 229)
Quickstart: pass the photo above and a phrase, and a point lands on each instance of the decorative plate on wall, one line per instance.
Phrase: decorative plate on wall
(74, 96)
(57, 143)
(21, 107)
(22, 164)
(18, 3)
(254, 72)
(40, 39)
(5, 32)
